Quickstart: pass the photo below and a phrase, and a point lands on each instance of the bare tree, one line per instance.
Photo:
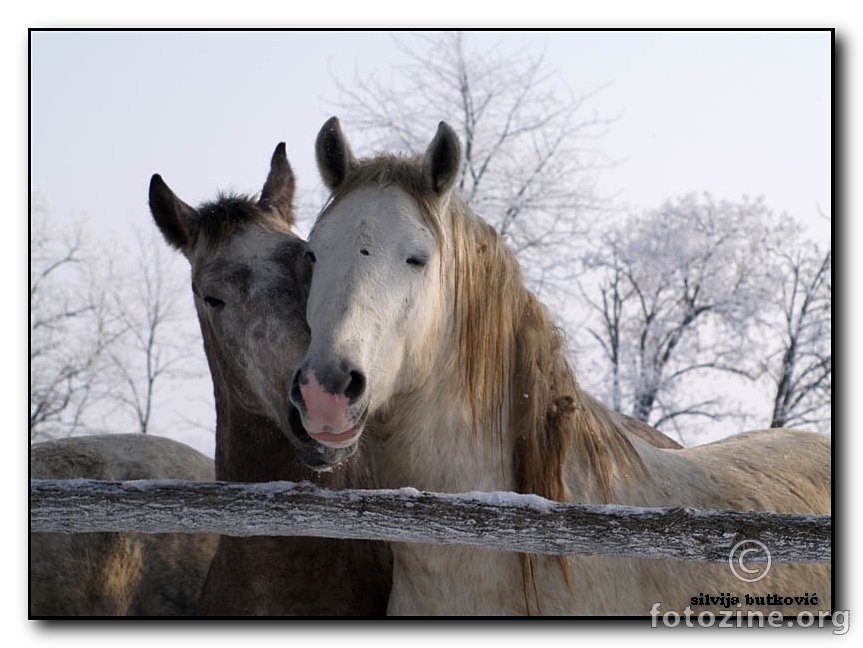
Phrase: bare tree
(71, 328)
(800, 367)
(613, 292)
(114, 345)
(676, 293)
(157, 345)
(528, 161)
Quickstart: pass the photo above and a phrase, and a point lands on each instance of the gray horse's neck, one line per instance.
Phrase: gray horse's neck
(283, 575)
(250, 448)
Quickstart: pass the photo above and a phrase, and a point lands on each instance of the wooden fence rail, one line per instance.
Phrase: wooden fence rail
(506, 521)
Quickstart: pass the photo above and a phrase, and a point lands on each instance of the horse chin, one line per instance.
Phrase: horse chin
(323, 459)
(313, 454)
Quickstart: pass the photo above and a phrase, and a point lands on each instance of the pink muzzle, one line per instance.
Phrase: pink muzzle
(326, 415)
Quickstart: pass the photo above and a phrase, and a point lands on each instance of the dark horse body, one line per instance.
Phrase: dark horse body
(250, 278)
(110, 574)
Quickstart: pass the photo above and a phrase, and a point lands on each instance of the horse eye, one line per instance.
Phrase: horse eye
(417, 261)
(212, 302)
(311, 256)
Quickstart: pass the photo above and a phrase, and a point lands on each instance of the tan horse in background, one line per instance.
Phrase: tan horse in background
(421, 322)
(118, 574)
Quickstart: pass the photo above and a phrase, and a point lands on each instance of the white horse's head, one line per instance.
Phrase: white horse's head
(376, 299)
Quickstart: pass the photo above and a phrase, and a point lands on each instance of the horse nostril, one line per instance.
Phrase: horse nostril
(332, 379)
(356, 385)
(295, 395)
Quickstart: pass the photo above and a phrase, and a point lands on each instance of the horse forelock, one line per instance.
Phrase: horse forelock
(383, 170)
(219, 220)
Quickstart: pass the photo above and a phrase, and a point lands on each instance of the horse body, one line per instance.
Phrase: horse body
(420, 323)
(769, 470)
(109, 574)
(250, 279)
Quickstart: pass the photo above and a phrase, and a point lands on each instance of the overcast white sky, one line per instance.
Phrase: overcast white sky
(732, 113)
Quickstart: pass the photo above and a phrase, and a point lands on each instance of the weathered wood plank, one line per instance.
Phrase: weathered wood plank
(505, 521)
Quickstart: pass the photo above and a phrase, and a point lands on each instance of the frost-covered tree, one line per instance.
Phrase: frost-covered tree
(112, 332)
(799, 362)
(675, 294)
(527, 139)
(158, 342)
(71, 327)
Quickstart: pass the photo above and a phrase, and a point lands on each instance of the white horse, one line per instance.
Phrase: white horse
(420, 319)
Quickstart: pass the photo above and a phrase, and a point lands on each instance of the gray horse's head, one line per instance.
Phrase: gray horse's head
(250, 280)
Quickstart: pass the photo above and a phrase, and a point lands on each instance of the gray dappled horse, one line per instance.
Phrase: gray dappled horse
(250, 278)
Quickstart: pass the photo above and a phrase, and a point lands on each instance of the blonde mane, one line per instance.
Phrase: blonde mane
(508, 347)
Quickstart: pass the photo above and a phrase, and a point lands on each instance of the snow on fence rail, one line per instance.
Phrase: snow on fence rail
(506, 521)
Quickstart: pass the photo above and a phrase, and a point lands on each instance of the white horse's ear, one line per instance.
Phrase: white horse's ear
(174, 217)
(278, 192)
(333, 154)
(442, 160)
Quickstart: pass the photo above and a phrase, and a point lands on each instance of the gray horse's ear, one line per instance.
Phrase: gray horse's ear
(174, 217)
(278, 191)
(333, 154)
(442, 160)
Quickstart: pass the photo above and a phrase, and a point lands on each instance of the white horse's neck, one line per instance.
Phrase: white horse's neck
(429, 443)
